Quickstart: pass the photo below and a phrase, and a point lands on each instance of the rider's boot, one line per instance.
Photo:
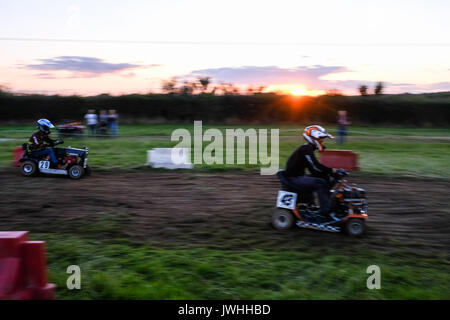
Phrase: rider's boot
(333, 216)
(62, 166)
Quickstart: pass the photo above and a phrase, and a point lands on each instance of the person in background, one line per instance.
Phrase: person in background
(103, 118)
(91, 121)
(343, 122)
(113, 122)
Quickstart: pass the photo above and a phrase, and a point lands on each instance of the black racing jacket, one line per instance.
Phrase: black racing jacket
(39, 141)
(303, 158)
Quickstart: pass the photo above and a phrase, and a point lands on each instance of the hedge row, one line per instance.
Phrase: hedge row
(405, 109)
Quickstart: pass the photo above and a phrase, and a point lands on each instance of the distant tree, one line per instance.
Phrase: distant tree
(234, 89)
(260, 89)
(225, 88)
(228, 88)
(334, 92)
(169, 86)
(363, 90)
(379, 89)
(204, 82)
(187, 88)
(4, 88)
(195, 86)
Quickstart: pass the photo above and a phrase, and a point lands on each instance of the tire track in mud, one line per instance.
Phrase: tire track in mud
(229, 211)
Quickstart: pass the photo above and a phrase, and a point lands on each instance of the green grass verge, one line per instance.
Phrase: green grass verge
(119, 270)
(383, 151)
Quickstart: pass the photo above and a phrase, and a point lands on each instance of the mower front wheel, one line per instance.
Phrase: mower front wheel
(282, 219)
(76, 172)
(355, 227)
(28, 168)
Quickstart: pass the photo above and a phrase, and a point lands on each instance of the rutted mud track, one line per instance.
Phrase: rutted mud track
(222, 210)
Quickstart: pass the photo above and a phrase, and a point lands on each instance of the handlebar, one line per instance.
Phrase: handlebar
(338, 176)
(340, 173)
(58, 142)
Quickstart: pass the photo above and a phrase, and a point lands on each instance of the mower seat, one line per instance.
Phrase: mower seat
(287, 183)
(303, 195)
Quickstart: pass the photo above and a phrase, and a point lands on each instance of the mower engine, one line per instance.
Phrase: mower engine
(352, 200)
(69, 160)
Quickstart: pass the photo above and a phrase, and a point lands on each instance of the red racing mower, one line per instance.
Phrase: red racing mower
(295, 206)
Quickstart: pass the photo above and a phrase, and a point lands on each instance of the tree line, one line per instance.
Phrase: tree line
(378, 90)
(255, 107)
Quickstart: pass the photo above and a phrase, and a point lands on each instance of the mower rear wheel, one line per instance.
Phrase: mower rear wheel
(28, 168)
(76, 172)
(282, 219)
(355, 227)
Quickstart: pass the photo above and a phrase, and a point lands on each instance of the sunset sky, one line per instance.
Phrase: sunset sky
(294, 46)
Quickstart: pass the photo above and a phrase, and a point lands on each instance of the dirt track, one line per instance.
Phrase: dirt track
(222, 210)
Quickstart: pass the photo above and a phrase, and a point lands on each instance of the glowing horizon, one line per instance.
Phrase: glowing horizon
(312, 46)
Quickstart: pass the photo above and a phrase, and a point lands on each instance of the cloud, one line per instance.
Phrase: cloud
(420, 88)
(271, 75)
(390, 87)
(84, 67)
(45, 75)
(310, 77)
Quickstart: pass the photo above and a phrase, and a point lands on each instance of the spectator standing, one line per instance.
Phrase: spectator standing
(103, 118)
(343, 122)
(113, 119)
(91, 121)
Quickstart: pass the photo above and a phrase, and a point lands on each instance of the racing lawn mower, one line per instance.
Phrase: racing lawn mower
(71, 162)
(348, 203)
(71, 128)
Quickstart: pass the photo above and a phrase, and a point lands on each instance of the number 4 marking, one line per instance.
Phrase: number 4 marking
(286, 199)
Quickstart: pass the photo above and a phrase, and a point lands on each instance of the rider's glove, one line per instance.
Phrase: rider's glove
(340, 173)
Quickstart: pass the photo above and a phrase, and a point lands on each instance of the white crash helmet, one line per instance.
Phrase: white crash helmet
(44, 125)
(313, 133)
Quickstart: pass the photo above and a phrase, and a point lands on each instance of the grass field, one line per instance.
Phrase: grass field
(383, 151)
(116, 267)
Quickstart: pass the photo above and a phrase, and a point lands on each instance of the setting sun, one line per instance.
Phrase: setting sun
(299, 92)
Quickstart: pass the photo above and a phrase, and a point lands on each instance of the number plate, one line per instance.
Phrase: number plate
(286, 199)
(44, 165)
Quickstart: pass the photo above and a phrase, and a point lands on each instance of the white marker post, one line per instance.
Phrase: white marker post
(169, 158)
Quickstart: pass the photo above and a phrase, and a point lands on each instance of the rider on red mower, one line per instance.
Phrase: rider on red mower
(303, 158)
(40, 144)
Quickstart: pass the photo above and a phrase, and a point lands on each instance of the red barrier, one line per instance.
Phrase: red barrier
(10, 242)
(17, 155)
(23, 268)
(344, 159)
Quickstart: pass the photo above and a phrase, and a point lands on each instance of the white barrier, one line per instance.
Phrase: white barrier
(169, 158)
